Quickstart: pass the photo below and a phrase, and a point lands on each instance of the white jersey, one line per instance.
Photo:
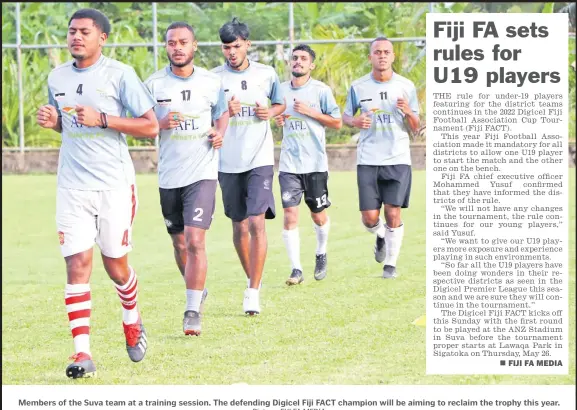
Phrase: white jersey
(387, 142)
(186, 154)
(248, 141)
(303, 147)
(92, 158)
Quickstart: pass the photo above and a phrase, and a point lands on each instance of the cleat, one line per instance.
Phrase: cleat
(191, 323)
(321, 266)
(250, 303)
(295, 278)
(136, 341)
(83, 366)
(380, 251)
(389, 272)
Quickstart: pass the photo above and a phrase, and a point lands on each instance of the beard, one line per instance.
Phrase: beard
(183, 64)
(299, 74)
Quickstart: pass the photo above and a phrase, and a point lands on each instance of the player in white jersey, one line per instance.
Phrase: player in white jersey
(89, 98)
(389, 113)
(303, 167)
(247, 155)
(189, 98)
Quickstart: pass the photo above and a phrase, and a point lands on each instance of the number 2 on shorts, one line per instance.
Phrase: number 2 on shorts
(198, 215)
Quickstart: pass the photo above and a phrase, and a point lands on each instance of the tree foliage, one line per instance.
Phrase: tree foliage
(132, 22)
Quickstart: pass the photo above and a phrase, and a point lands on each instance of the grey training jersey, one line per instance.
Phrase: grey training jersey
(303, 146)
(248, 141)
(92, 158)
(387, 142)
(186, 154)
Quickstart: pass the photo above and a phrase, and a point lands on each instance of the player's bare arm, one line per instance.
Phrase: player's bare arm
(412, 118)
(221, 123)
(325, 119)
(362, 121)
(145, 126)
(47, 117)
(216, 134)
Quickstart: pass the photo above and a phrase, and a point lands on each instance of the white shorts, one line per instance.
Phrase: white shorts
(104, 217)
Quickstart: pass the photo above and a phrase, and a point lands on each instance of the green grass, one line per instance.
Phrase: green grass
(351, 328)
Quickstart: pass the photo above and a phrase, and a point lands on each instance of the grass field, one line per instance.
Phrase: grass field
(351, 328)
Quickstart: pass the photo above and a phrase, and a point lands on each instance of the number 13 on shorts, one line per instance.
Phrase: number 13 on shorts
(322, 201)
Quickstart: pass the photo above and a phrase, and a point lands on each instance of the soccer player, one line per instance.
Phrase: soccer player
(89, 98)
(389, 112)
(189, 98)
(303, 167)
(247, 155)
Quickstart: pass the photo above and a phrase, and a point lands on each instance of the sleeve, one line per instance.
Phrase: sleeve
(53, 102)
(221, 105)
(134, 95)
(352, 104)
(276, 95)
(149, 84)
(413, 100)
(329, 105)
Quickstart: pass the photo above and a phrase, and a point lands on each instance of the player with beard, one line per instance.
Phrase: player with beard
(189, 99)
(247, 156)
(96, 200)
(389, 112)
(303, 167)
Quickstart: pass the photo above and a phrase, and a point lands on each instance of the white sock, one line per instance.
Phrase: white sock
(322, 236)
(248, 283)
(128, 294)
(293, 247)
(193, 299)
(254, 293)
(379, 228)
(393, 241)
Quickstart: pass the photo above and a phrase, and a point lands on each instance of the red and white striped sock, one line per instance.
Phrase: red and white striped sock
(127, 294)
(78, 306)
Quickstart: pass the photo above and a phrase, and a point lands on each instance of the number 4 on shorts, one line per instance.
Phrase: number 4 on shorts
(125, 238)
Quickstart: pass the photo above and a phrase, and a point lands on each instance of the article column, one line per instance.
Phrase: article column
(497, 194)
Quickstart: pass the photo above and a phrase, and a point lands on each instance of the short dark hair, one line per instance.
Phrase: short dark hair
(99, 19)
(179, 24)
(232, 30)
(381, 38)
(305, 47)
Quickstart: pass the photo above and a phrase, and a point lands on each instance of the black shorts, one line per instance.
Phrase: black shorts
(387, 184)
(248, 193)
(192, 205)
(314, 186)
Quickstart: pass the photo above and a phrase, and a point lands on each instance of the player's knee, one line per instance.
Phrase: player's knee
(370, 220)
(256, 226)
(240, 229)
(319, 218)
(195, 241)
(78, 265)
(195, 246)
(290, 218)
